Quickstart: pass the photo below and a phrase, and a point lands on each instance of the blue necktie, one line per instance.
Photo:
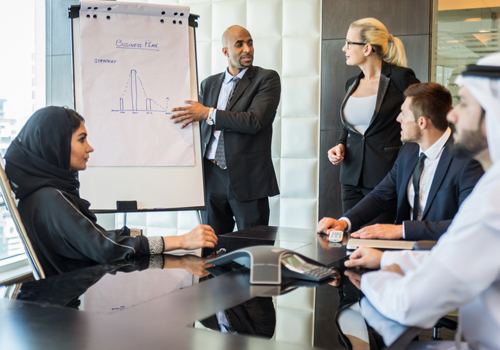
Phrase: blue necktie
(220, 153)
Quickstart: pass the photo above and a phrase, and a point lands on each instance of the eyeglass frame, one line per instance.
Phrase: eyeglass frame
(347, 43)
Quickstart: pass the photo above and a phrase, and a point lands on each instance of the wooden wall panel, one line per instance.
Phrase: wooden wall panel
(334, 75)
(401, 17)
(330, 196)
(417, 49)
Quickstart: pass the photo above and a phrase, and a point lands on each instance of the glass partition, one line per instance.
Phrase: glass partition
(464, 31)
(22, 88)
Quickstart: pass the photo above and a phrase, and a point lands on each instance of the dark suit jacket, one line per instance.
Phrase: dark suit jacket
(248, 128)
(369, 157)
(256, 316)
(453, 182)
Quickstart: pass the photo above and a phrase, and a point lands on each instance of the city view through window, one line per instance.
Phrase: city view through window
(22, 88)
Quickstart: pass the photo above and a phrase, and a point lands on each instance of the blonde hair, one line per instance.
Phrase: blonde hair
(387, 47)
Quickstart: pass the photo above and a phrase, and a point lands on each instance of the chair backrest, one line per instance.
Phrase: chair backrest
(10, 203)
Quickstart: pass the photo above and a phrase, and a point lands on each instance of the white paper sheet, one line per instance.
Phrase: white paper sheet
(135, 69)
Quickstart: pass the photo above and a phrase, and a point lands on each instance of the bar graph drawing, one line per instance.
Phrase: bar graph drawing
(135, 99)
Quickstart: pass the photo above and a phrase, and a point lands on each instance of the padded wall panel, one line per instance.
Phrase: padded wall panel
(301, 56)
(301, 17)
(300, 97)
(219, 61)
(204, 59)
(298, 178)
(301, 299)
(225, 14)
(204, 30)
(274, 206)
(187, 220)
(294, 326)
(268, 53)
(162, 219)
(297, 212)
(191, 2)
(264, 18)
(276, 143)
(277, 170)
(299, 138)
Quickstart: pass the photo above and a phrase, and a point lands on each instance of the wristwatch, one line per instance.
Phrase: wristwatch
(210, 121)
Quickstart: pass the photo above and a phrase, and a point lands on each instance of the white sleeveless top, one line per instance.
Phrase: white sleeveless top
(358, 112)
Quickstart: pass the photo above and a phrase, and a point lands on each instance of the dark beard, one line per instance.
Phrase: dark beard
(472, 143)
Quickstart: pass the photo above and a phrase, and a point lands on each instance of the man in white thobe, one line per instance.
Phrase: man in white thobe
(463, 270)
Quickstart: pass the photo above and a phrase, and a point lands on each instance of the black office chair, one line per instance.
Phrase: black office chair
(10, 203)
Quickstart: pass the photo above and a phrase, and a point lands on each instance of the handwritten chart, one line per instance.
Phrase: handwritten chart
(134, 71)
(135, 98)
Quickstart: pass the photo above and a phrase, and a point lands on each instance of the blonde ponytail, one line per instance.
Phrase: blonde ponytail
(387, 47)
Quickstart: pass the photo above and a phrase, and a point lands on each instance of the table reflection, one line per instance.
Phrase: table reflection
(114, 287)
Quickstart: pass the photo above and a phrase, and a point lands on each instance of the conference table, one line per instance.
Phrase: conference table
(173, 302)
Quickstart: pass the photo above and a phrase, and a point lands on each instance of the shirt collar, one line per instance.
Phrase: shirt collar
(228, 76)
(435, 150)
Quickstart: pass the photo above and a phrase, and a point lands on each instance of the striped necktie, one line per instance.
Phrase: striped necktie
(220, 153)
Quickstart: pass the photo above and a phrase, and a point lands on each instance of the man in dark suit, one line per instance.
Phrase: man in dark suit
(236, 112)
(426, 184)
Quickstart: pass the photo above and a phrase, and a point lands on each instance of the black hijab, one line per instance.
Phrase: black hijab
(40, 157)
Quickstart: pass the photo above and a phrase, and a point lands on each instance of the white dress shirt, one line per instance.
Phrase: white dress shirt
(433, 154)
(225, 90)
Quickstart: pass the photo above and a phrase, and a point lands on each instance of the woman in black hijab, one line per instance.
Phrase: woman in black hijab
(42, 165)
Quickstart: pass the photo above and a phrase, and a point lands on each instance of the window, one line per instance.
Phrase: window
(22, 90)
(464, 32)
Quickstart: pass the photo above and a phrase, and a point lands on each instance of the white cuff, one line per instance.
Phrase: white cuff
(214, 115)
(404, 234)
(348, 223)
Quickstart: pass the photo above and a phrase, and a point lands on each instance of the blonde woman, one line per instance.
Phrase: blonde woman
(370, 140)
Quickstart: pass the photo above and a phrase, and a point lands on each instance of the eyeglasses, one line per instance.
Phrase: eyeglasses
(347, 43)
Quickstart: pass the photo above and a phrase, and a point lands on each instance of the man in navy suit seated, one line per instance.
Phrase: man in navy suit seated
(426, 183)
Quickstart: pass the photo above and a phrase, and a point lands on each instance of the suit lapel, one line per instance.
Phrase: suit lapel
(403, 204)
(215, 90)
(242, 85)
(442, 168)
(351, 89)
(382, 88)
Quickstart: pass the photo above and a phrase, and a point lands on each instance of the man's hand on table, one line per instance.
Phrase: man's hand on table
(328, 224)
(364, 257)
(379, 231)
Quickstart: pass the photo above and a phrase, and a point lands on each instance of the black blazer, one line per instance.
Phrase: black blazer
(453, 181)
(248, 129)
(369, 157)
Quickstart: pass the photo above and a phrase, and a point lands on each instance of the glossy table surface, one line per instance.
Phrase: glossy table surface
(128, 305)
